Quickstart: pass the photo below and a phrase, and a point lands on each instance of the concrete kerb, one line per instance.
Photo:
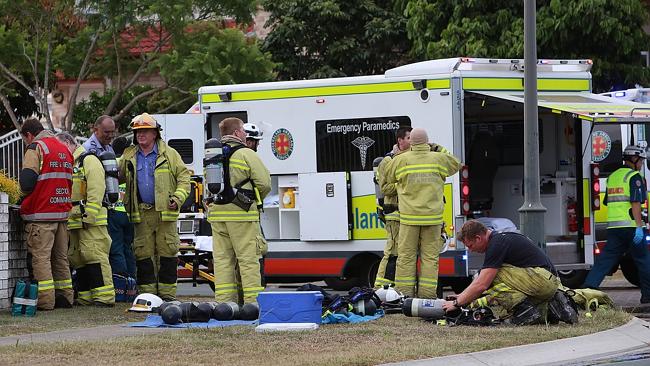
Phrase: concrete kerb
(634, 335)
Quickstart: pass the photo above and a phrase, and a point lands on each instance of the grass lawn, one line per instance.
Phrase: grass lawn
(392, 338)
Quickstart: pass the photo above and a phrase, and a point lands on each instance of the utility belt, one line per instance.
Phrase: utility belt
(242, 198)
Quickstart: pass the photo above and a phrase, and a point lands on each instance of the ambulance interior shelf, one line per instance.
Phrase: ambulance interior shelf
(281, 219)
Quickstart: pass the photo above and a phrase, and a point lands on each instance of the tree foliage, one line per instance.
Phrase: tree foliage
(122, 41)
(329, 38)
(609, 32)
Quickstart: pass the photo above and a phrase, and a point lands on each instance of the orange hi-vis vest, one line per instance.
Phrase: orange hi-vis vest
(50, 199)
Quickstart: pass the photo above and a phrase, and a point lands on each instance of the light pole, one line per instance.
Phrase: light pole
(531, 213)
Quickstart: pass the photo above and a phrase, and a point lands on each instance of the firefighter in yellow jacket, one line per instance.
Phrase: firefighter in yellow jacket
(235, 230)
(157, 184)
(386, 270)
(420, 177)
(89, 239)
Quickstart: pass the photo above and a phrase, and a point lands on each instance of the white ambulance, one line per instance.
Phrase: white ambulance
(321, 136)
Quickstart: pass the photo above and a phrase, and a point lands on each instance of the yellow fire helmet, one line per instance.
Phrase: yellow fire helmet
(144, 120)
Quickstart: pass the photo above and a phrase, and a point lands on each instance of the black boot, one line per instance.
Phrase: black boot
(525, 313)
(561, 307)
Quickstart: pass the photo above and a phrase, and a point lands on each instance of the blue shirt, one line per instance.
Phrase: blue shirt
(638, 191)
(145, 175)
(93, 144)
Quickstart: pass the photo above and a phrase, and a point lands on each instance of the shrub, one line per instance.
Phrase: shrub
(9, 186)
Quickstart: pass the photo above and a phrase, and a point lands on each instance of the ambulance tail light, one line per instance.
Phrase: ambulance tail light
(464, 190)
(595, 186)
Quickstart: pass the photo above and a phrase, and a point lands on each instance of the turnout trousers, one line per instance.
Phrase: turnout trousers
(237, 243)
(425, 240)
(156, 248)
(386, 270)
(513, 284)
(47, 244)
(88, 253)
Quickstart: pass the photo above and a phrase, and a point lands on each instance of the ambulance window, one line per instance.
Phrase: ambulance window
(607, 148)
(185, 148)
(215, 118)
(352, 144)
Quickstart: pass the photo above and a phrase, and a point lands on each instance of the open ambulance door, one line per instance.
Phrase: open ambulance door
(324, 208)
(580, 119)
(185, 133)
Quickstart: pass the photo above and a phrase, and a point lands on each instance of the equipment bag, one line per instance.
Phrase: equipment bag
(126, 288)
(25, 298)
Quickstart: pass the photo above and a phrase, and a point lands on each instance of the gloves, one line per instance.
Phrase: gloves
(638, 236)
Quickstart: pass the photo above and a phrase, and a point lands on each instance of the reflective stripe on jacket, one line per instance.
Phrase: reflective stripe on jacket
(50, 199)
(618, 198)
(420, 177)
(171, 179)
(389, 190)
(244, 164)
(88, 189)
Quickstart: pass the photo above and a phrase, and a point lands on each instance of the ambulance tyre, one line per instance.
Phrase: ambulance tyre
(573, 278)
(630, 272)
(362, 273)
(342, 283)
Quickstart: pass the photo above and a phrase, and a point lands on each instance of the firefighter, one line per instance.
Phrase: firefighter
(157, 184)
(420, 177)
(89, 239)
(46, 182)
(386, 270)
(235, 230)
(626, 192)
(517, 281)
(253, 136)
(103, 133)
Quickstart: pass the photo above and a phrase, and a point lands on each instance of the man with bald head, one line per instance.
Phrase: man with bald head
(103, 134)
(419, 176)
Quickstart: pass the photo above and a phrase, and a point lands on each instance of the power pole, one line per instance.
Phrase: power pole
(531, 214)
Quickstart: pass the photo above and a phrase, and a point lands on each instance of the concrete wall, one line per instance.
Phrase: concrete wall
(13, 253)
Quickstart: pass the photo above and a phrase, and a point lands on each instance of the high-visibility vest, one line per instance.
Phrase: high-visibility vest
(50, 199)
(618, 198)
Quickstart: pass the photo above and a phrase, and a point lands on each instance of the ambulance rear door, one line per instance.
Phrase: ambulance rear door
(324, 206)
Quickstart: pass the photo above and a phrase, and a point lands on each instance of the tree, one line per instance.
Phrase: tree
(329, 38)
(608, 32)
(116, 40)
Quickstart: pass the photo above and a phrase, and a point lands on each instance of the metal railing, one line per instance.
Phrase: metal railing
(12, 149)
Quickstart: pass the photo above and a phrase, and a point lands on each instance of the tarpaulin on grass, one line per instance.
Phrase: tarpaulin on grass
(155, 321)
(350, 318)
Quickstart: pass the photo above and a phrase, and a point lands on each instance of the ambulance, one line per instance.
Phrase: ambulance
(321, 136)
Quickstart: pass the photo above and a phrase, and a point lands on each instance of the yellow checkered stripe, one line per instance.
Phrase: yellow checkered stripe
(239, 164)
(381, 281)
(428, 282)
(63, 284)
(233, 216)
(169, 215)
(225, 288)
(108, 289)
(45, 285)
(407, 281)
(421, 168)
(420, 219)
(252, 291)
(393, 216)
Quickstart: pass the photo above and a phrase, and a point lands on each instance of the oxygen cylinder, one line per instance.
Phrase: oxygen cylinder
(165, 304)
(226, 311)
(250, 311)
(171, 314)
(213, 165)
(111, 174)
(378, 194)
(424, 308)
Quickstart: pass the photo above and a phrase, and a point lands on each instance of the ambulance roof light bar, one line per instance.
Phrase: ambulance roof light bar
(478, 64)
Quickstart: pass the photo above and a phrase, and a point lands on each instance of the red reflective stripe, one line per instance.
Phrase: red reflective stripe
(304, 266)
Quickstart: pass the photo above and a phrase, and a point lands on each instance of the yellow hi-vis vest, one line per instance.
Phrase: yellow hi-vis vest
(618, 198)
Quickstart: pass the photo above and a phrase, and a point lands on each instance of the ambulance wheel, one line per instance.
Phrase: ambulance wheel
(342, 284)
(630, 272)
(459, 284)
(573, 278)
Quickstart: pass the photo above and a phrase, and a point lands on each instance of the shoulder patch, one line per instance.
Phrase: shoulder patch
(638, 183)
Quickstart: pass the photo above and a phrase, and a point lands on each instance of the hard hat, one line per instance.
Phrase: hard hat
(388, 294)
(144, 120)
(633, 150)
(252, 131)
(146, 303)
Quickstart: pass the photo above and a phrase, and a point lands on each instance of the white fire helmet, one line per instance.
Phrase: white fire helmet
(146, 303)
(388, 294)
(252, 131)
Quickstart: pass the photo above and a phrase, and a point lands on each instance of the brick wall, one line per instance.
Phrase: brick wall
(13, 252)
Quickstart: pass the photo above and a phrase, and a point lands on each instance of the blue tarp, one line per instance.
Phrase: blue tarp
(155, 321)
(351, 318)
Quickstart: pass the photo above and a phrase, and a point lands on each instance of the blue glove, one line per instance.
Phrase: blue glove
(639, 235)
